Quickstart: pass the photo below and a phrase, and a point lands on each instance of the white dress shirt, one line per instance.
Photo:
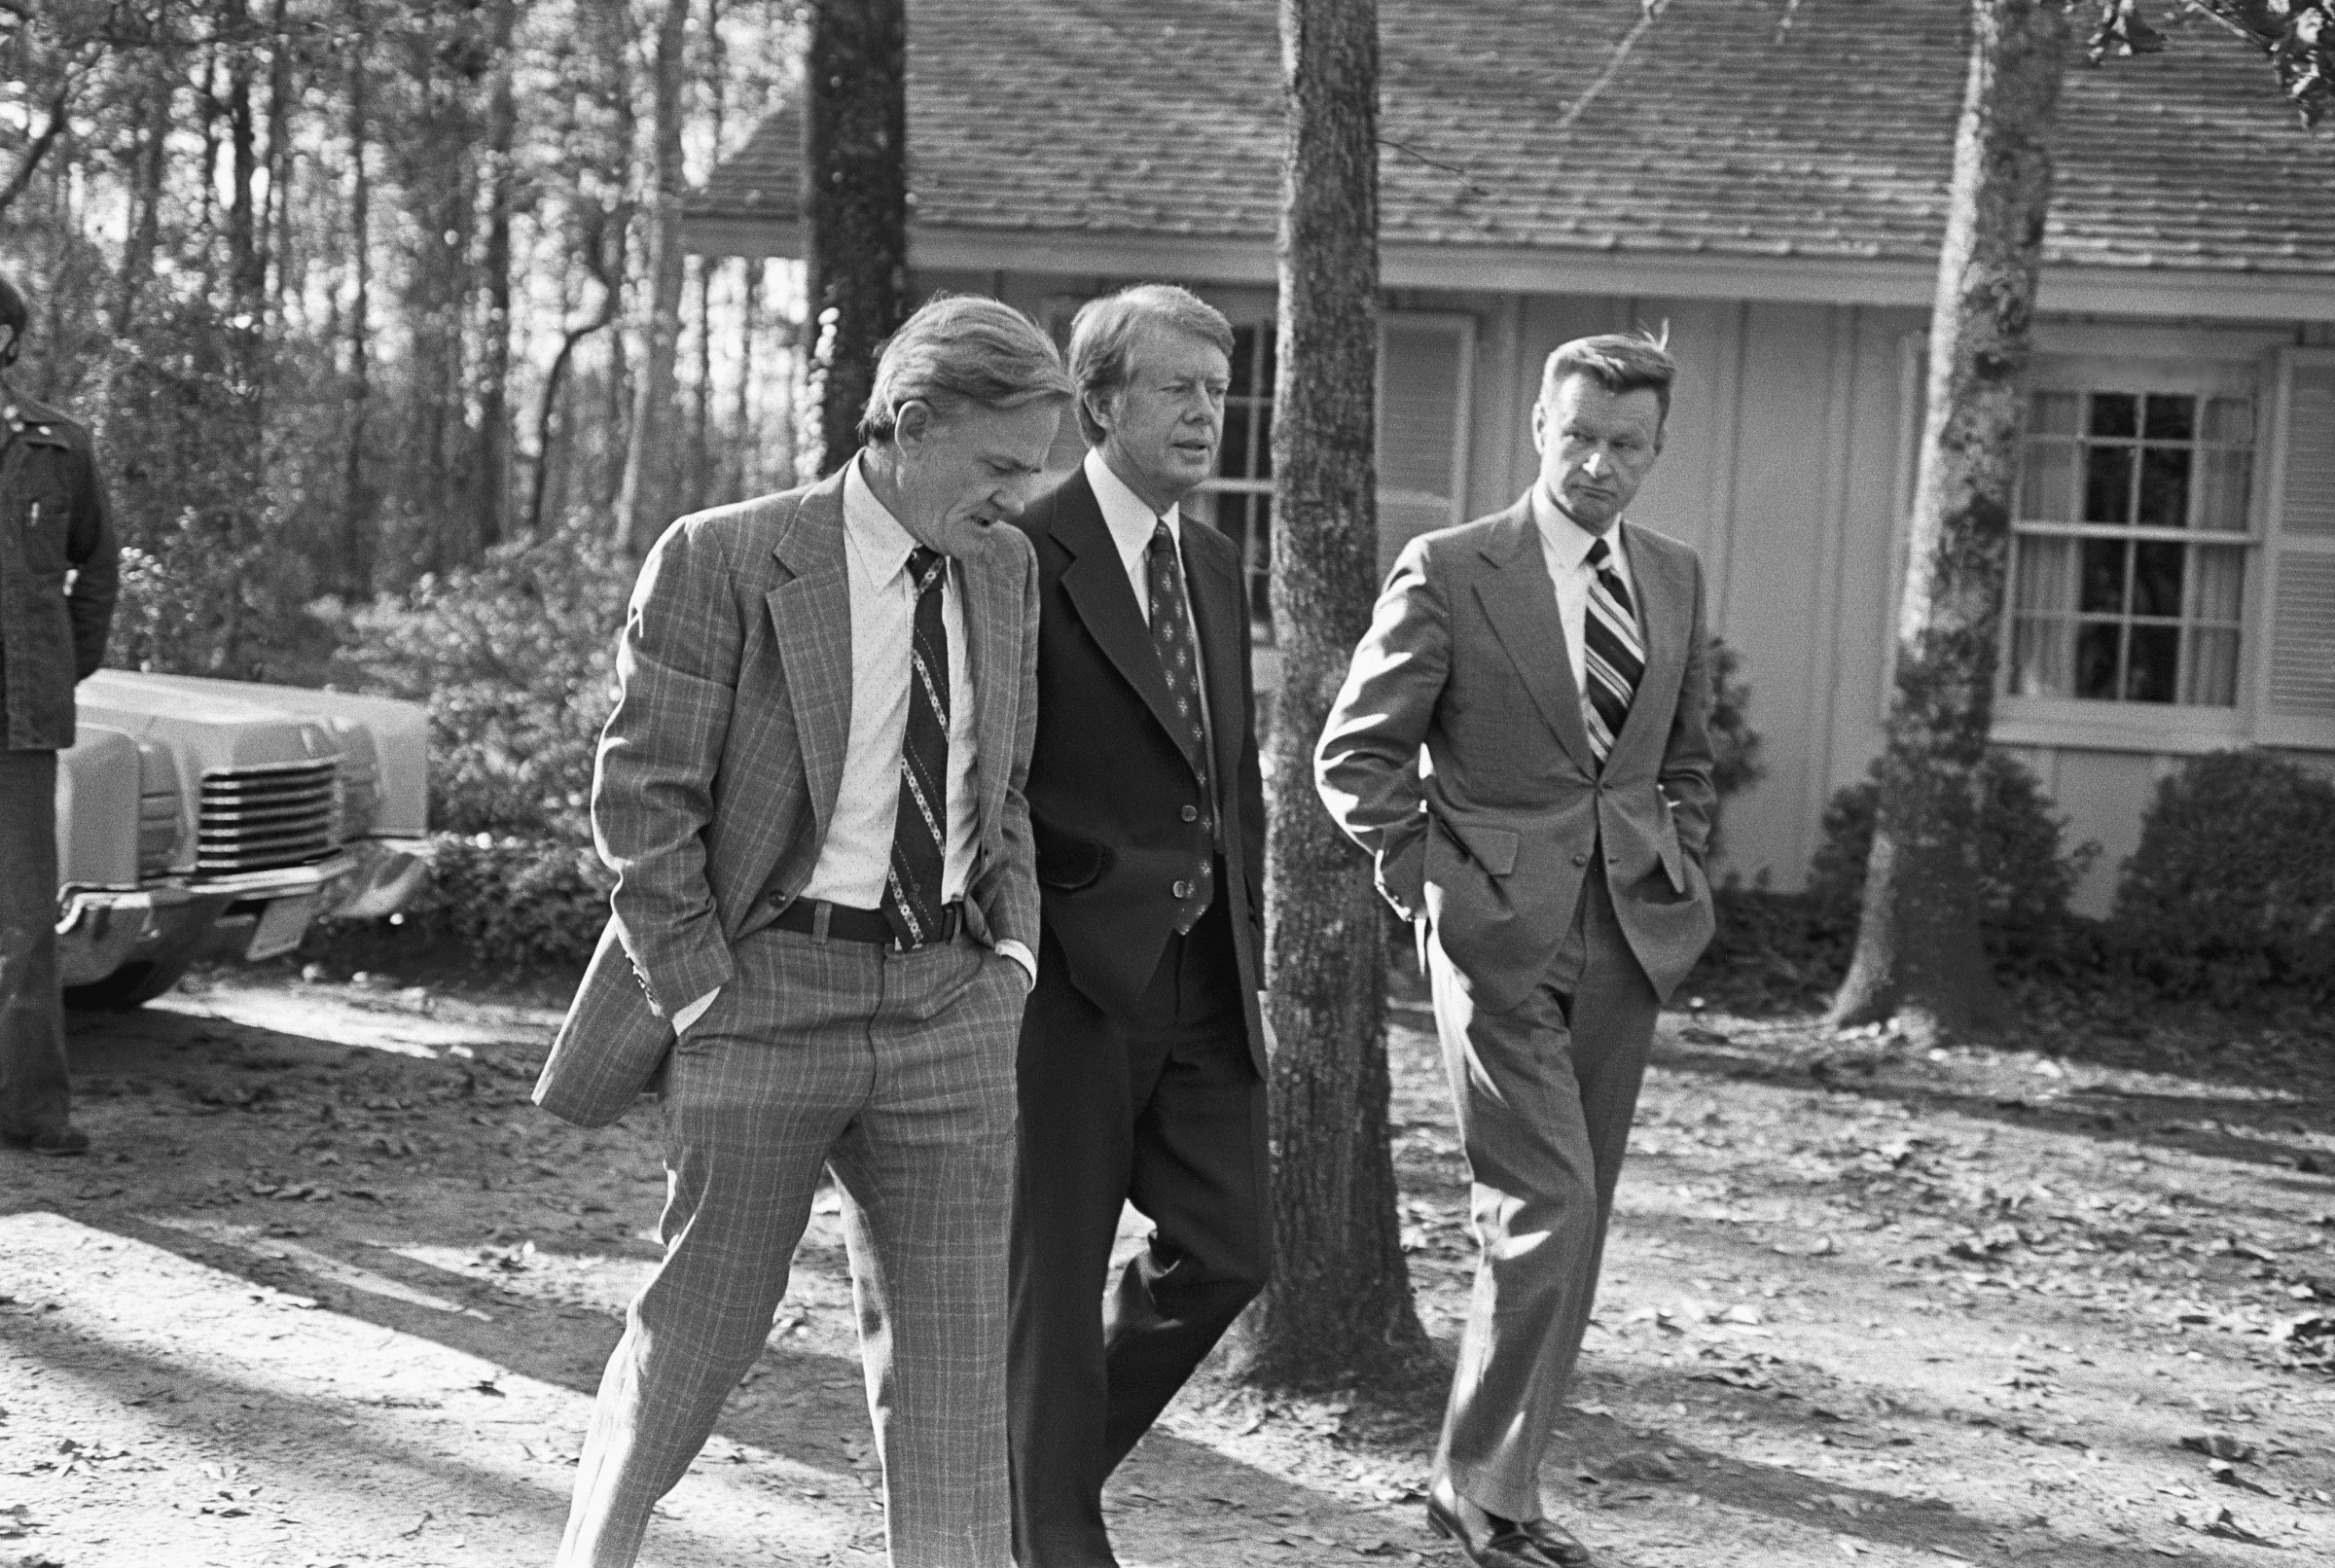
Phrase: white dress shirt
(1564, 546)
(857, 856)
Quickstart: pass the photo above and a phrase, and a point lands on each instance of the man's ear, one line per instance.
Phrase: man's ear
(1101, 407)
(912, 422)
(1540, 426)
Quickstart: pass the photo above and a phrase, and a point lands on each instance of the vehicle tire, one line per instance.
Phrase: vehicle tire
(130, 987)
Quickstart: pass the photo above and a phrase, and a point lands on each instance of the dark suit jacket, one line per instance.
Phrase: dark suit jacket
(1109, 787)
(1465, 657)
(718, 772)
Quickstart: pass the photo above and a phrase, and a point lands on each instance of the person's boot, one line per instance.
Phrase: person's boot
(65, 1140)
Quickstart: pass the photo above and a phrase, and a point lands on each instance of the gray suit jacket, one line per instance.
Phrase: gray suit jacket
(718, 770)
(1465, 657)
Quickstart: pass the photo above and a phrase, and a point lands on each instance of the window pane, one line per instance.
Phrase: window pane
(2044, 572)
(2096, 646)
(2209, 677)
(2047, 483)
(2164, 486)
(1244, 345)
(2042, 657)
(2222, 487)
(2115, 413)
(2053, 414)
(2154, 660)
(1265, 361)
(2217, 585)
(2102, 577)
(2109, 483)
(1264, 457)
(1232, 457)
(2157, 579)
(2169, 418)
(2230, 419)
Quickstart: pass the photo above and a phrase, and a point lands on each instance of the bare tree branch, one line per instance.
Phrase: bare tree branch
(1649, 13)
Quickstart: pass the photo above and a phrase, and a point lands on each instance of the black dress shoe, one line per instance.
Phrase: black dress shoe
(66, 1140)
(1498, 1543)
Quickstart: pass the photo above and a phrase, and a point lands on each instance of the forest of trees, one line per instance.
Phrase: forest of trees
(356, 290)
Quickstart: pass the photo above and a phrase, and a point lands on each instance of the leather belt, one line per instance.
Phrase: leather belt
(843, 922)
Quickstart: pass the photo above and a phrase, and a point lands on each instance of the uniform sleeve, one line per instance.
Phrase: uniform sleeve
(92, 551)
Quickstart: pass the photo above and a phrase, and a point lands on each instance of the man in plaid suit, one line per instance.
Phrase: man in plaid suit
(810, 791)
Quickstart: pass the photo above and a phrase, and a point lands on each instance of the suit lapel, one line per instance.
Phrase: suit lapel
(1095, 581)
(1664, 619)
(1214, 584)
(811, 618)
(992, 609)
(1521, 603)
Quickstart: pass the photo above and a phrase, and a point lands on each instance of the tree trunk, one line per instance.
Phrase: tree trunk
(146, 199)
(1339, 1307)
(854, 206)
(652, 457)
(494, 498)
(1918, 956)
(357, 496)
(275, 235)
(744, 437)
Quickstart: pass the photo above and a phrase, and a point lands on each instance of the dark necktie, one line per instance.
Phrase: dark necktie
(912, 892)
(1180, 661)
(1612, 650)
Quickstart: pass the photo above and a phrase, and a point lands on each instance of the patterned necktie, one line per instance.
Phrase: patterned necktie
(1611, 648)
(1180, 661)
(912, 892)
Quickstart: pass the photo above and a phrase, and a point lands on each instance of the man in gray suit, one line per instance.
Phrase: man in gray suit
(1549, 660)
(810, 791)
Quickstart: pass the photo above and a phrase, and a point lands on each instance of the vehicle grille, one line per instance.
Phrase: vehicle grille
(258, 818)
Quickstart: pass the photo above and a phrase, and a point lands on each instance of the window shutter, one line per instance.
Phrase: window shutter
(2294, 691)
(1426, 365)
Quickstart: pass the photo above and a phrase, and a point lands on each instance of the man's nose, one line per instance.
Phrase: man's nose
(1594, 464)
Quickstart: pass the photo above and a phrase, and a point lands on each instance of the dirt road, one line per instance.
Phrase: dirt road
(330, 1292)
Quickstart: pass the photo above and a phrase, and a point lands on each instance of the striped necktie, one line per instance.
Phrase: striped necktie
(1615, 657)
(912, 891)
(1180, 661)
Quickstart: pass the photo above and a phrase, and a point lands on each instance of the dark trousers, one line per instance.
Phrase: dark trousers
(1544, 1093)
(34, 1094)
(1160, 1108)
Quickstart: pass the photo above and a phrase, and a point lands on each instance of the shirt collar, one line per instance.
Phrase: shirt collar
(1128, 515)
(1566, 541)
(875, 535)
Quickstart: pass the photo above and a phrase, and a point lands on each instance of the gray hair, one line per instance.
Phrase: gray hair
(1619, 362)
(959, 349)
(1104, 331)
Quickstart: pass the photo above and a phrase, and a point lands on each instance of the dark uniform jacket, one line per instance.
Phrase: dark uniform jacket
(56, 571)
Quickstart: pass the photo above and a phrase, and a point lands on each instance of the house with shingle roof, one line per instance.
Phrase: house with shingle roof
(1770, 184)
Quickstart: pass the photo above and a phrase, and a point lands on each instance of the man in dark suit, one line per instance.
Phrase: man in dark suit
(1549, 662)
(1143, 1048)
(811, 792)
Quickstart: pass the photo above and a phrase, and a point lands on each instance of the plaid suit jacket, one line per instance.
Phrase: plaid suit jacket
(717, 773)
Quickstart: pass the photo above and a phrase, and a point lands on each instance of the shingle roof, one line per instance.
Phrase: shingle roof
(1725, 133)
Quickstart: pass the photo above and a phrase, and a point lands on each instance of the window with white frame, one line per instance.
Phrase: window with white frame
(2133, 532)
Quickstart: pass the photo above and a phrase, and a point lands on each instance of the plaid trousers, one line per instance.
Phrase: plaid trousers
(897, 1070)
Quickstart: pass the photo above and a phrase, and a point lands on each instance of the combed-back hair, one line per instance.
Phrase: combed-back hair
(959, 349)
(1619, 362)
(1104, 331)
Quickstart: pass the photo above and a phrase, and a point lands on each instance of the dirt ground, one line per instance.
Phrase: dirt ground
(330, 1292)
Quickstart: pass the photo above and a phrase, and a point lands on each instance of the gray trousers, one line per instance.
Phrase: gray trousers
(1544, 1095)
(34, 1096)
(897, 1070)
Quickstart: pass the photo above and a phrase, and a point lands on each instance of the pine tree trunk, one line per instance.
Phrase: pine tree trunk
(652, 455)
(146, 199)
(1339, 1307)
(854, 206)
(495, 377)
(357, 493)
(1918, 956)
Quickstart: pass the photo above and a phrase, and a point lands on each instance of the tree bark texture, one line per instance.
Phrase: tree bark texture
(854, 205)
(494, 376)
(652, 456)
(1918, 956)
(357, 493)
(1338, 1306)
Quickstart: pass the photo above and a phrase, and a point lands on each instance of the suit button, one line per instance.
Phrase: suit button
(1191, 813)
(1580, 859)
(1182, 890)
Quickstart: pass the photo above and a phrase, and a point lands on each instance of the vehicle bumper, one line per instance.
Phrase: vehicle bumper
(387, 873)
(257, 915)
